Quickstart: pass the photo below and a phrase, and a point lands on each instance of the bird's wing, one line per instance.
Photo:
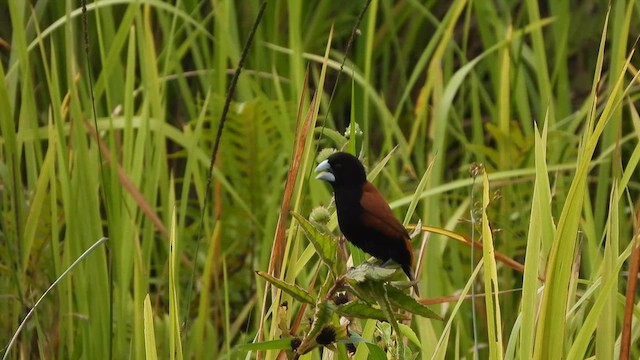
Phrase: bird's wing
(377, 213)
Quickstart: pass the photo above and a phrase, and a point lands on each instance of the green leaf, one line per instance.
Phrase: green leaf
(175, 346)
(149, 334)
(368, 271)
(406, 302)
(410, 334)
(373, 173)
(294, 290)
(541, 232)
(375, 352)
(494, 319)
(383, 300)
(279, 344)
(326, 246)
(332, 134)
(601, 319)
(361, 310)
(321, 318)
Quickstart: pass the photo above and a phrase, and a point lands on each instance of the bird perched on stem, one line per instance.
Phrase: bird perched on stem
(365, 218)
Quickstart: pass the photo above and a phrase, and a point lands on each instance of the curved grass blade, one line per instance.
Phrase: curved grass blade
(62, 276)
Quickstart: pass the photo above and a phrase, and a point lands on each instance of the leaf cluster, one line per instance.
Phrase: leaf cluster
(366, 291)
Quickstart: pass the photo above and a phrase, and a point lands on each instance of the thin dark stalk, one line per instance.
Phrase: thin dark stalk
(85, 31)
(354, 33)
(216, 145)
(103, 191)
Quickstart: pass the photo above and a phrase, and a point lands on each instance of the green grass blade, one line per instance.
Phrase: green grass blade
(541, 232)
(149, 335)
(494, 320)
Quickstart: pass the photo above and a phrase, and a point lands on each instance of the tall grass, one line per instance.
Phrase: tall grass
(543, 94)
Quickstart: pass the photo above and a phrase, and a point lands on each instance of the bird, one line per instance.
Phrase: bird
(364, 216)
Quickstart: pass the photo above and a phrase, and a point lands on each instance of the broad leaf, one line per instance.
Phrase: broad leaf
(406, 302)
(361, 310)
(294, 290)
(326, 246)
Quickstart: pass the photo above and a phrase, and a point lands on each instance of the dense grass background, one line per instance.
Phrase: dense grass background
(544, 94)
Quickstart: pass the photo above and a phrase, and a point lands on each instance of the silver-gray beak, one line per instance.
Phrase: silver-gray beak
(325, 175)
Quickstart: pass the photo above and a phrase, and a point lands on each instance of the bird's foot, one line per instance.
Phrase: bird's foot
(390, 264)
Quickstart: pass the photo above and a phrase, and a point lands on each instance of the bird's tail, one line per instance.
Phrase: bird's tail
(407, 270)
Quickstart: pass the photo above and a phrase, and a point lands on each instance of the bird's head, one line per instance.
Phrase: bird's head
(342, 169)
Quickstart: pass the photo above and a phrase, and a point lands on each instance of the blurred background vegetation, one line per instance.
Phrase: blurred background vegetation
(446, 83)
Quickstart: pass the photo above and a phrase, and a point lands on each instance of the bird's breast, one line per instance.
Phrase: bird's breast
(349, 212)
